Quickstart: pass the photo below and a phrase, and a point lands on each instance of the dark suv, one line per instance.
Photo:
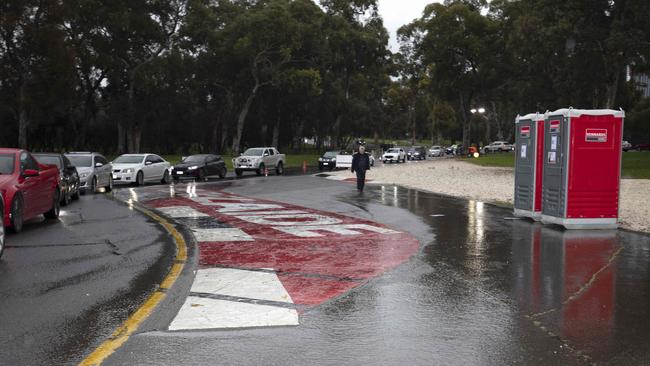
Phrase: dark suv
(416, 153)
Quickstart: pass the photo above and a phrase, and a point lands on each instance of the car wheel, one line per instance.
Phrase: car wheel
(139, 179)
(16, 214)
(93, 185)
(279, 170)
(109, 187)
(260, 170)
(2, 230)
(222, 172)
(238, 172)
(66, 198)
(201, 176)
(165, 179)
(56, 207)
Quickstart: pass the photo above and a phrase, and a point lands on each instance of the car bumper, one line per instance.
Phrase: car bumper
(184, 174)
(124, 177)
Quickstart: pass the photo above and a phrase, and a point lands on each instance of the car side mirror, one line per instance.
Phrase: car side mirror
(30, 173)
(98, 165)
(147, 163)
(266, 154)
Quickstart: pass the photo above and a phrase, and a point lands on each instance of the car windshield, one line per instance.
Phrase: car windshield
(6, 163)
(129, 159)
(393, 150)
(194, 159)
(49, 159)
(81, 160)
(331, 154)
(254, 152)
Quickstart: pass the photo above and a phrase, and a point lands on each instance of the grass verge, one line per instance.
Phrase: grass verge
(636, 164)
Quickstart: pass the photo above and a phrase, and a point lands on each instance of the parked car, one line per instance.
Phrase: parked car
(436, 150)
(94, 171)
(642, 147)
(328, 160)
(139, 169)
(199, 167)
(29, 189)
(68, 175)
(416, 152)
(626, 146)
(396, 154)
(258, 159)
(500, 146)
(344, 160)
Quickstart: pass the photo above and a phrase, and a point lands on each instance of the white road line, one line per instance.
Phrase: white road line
(220, 234)
(181, 212)
(213, 313)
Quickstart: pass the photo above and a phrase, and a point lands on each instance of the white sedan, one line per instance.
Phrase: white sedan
(139, 169)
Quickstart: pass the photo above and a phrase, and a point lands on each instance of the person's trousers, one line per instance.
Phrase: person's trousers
(361, 179)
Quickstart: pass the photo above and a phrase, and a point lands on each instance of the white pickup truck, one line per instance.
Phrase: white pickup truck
(499, 146)
(259, 159)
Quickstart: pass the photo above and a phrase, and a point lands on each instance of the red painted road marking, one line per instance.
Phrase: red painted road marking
(317, 255)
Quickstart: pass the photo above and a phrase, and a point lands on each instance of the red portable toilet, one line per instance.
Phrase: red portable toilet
(529, 163)
(582, 168)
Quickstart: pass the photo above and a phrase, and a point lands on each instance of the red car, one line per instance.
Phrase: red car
(28, 188)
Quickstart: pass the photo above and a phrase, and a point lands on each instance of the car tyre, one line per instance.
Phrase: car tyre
(56, 206)
(16, 214)
(109, 187)
(260, 170)
(93, 185)
(139, 179)
(66, 198)
(279, 170)
(222, 172)
(238, 172)
(165, 178)
(201, 176)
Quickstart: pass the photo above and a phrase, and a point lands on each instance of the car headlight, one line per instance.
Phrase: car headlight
(84, 175)
(320, 159)
(128, 171)
(333, 160)
(193, 167)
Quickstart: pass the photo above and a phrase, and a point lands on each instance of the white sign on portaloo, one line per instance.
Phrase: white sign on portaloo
(554, 142)
(523, 151)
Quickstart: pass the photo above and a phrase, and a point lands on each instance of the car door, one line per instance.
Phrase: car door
(161, 166)
(36, 196)
(104, 172)
(149, 170)
(212, 167)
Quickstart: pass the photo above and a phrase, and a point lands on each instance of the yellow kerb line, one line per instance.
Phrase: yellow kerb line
(122, 334)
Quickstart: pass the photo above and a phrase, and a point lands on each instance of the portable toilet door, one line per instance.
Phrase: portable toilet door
(582, 168)
(529, 142)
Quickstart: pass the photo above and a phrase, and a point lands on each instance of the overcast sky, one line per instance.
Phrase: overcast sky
(399, 12)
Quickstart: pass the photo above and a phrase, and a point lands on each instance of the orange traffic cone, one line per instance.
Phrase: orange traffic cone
(304, 167)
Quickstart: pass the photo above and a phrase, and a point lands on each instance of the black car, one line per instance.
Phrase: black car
(416, 152)
(199, 167)
(328, 160)
(69, 178)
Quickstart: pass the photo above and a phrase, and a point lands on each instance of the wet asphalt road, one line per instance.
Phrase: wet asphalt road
(66, 285)
(483, 289)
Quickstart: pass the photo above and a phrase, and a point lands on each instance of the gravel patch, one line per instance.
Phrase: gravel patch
(496, 185)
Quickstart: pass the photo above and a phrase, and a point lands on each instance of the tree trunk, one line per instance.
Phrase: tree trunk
(276, 134)
(236, 140)
(121, 137)
(412, 117)
(466, 127)
(23, 120)
(612, 90)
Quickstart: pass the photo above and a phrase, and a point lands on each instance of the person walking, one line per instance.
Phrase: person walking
(360, 163)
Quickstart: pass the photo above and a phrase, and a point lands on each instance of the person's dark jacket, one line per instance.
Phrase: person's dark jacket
(360, 162)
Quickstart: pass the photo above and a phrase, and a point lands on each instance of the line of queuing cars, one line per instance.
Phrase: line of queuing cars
(34, 184)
